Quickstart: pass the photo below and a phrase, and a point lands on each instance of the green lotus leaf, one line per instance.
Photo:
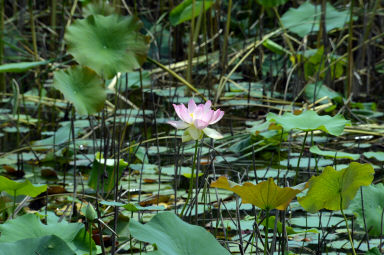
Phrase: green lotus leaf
(333, 188)
(183, 12)
(97, 176)
(373, 197)
(29, 226)
(315, 91)
(99, 7)
(306, 18)
(271, 3)
(20, 188)
(310, 121)
(334, 154)
(46, 245)
(83, 87)
(107, 44)
(173, 236)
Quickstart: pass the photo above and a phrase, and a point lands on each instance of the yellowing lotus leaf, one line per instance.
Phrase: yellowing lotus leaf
(265, 195)
(332, 188)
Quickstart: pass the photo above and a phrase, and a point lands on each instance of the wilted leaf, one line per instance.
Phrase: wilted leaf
(173, 236)
(20, 188)
(107, 44)
(83, 87)
(310, 121)
(265, 195)
(330, 187)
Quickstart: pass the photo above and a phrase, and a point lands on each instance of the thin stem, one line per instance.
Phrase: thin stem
(90, 238)
(301, 154)
(190, 180)
(346, 224)
(266, 232)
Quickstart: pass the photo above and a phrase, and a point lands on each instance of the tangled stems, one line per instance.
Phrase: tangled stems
(190, 179)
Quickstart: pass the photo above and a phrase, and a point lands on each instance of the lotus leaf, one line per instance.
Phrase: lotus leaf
(306, 18)
(265, 195)
(83, 87)
(334, 188)
(20, 188)
(310, 121)
(373, 197)
(173, 236)
(334, 154)
(29, 226)
(107, 44)
(183, 12)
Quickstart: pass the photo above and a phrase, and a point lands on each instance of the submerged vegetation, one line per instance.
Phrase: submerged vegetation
(191, 127)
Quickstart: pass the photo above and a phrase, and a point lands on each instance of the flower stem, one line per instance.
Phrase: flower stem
(301, 154)
(346, 224)
(190, 180)
(266, 232)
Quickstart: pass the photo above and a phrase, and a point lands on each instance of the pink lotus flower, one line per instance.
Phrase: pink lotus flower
(195, 119)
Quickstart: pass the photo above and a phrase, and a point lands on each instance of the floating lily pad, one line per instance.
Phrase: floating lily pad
(379, 155)
(107, 44)
(310, 121)
(333, 189)
(173, 236)
(334, 154)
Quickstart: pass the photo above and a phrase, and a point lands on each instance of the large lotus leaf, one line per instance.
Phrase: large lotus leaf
(46, 245)
(331, 186)
(271, 3)
(265, 195)
(107, 44)
(306, 18)
(29, 226)
(20, 188)
(373, 197)
(334, 154)
(310, 121)
(378, 155)
(83, 87)
(173, 236)
(183, 12)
